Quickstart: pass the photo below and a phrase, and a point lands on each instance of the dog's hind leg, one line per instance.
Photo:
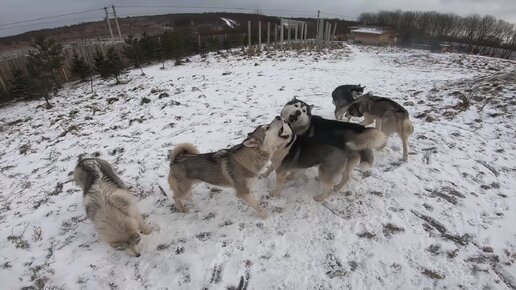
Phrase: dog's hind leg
(281, 177)
(404, 140)
(327, 182)
(353, 161)
(328, 170)
(406, 129)
(180, 191)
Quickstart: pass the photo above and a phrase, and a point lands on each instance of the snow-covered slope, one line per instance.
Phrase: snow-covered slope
(443, 219)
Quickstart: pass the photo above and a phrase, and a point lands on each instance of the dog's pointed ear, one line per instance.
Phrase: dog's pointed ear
(252, 142)
(294, 98)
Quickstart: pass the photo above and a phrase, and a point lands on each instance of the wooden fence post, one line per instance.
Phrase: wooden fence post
(288, 30)
(260, 34)
(275, 32)
(268, 33)
(249, 32)
(281, 34)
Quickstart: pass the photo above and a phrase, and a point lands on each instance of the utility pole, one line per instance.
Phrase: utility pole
(116, 22)
(109, 24)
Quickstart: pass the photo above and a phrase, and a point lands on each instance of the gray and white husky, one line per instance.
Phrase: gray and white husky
(343, 96)
(389, 116)
(235, 167)
(336, 148)
(110, 205)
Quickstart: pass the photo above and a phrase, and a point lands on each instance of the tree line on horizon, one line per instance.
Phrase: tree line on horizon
(39, 78)
(481, 34)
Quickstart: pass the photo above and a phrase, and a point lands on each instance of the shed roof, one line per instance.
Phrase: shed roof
(371, 30)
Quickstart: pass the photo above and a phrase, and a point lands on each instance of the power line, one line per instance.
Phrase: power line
(49, 17)
(50, 22)
(339, 15)
(214, 7)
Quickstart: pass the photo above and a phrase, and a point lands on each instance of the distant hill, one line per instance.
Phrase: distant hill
(204, 23)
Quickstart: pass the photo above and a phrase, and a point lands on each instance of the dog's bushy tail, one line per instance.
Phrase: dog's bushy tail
(370, 138)
(180, 149)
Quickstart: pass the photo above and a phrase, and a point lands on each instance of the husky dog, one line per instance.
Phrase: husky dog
(110, 205)
(335, 147)
(390, 117)
(343, 96)
(235, 167)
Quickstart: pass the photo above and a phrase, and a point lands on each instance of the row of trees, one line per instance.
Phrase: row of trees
(40, 77)
(474, 30)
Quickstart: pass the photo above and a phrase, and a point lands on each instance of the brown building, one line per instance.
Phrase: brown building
(374, 35)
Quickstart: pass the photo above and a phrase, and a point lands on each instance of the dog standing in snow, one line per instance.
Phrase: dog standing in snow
(110, 205)
(389, 116)
(235, 167)
(336, 148)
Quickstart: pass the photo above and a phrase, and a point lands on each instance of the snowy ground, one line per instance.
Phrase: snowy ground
(445, 219)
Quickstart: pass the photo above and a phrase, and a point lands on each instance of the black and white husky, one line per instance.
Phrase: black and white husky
(335, 147)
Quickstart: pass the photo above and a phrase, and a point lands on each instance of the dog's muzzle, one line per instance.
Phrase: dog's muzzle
(280, 134)
(293, 118)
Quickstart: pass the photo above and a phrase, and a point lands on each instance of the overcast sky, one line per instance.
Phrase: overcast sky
(20, 10)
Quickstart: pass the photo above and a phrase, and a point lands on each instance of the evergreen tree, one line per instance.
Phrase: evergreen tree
(101, 65)
(133, 51)
(19, 86)
(80, 68)
(148, 46)
(110, 65)
(42, 65)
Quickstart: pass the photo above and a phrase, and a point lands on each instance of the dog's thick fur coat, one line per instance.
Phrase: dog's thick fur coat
(234, 167)
(110, 205)
(335, 147)
(389, 116)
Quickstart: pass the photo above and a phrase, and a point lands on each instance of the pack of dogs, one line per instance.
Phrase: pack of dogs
(293, 141)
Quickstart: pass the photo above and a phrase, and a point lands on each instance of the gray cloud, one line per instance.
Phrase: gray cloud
(17, 10)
